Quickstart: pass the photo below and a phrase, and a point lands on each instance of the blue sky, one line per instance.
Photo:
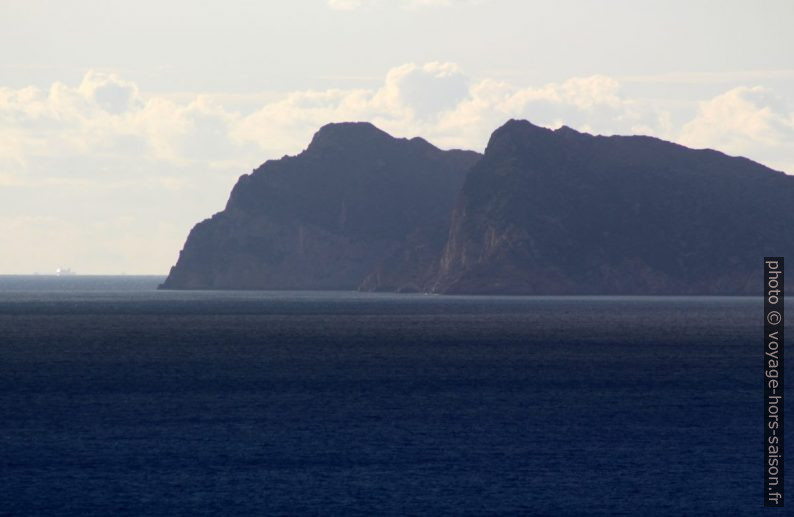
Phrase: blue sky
(122, 124)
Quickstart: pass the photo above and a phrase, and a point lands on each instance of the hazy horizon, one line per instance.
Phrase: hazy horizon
(121, 126)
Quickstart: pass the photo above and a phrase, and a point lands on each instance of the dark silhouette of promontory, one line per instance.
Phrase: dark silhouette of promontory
(355, 203)
(541, 212)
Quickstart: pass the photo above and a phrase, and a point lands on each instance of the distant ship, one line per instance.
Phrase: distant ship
(64, 271)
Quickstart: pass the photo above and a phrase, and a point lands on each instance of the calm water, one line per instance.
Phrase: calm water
(117, 399)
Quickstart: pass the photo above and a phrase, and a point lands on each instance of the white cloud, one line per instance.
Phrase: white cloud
(437, 101)
(109, 92)
(105, 126)
(750, 121)
(426, 90)
(106, 119)
(103, 150)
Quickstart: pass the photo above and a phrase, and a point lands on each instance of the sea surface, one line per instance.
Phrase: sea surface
(117, 399)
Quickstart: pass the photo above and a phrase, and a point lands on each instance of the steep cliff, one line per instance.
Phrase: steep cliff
(542, 212)
(343, 212)
(557, 212)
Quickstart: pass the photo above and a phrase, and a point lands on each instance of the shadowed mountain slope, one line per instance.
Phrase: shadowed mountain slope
(541, 212)
(559, 212)
(354, 202)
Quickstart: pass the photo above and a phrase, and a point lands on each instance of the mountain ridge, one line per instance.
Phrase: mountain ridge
(563, 212)
(325, 218)
(540, 212)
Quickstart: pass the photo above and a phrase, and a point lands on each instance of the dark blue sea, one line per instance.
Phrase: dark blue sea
(117, 399)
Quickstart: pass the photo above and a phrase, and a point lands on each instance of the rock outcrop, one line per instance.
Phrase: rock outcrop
(563, 212)
(541, 212)
(342, 213)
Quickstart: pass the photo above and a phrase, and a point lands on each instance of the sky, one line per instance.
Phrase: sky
(122, 124)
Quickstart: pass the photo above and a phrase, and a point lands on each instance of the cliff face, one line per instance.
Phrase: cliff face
(346, 211)
(558, 212)
(542, 212)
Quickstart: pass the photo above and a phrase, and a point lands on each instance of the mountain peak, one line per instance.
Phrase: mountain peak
(541, 212)
(341, 133)
(566, 131)
(518, 128)
(521, 126)
(332, 217)
(564, 212)
(514, 133)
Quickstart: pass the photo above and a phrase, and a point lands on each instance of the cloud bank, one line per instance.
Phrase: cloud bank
(104, 162)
